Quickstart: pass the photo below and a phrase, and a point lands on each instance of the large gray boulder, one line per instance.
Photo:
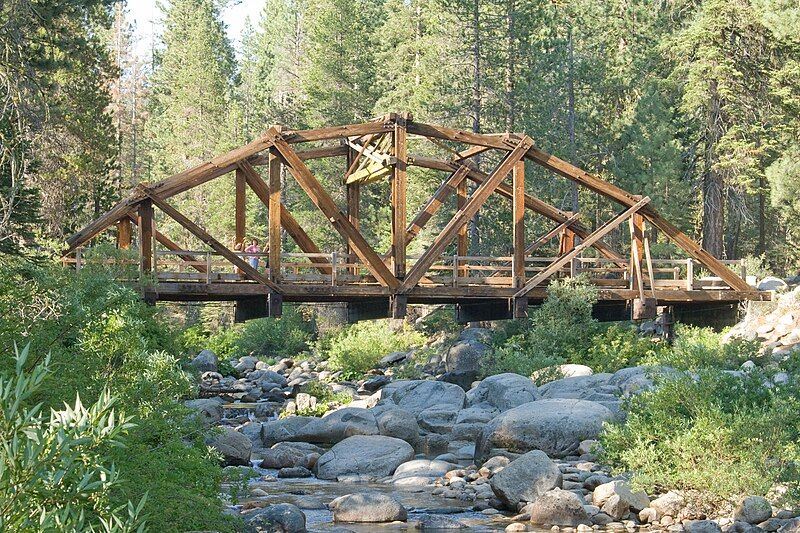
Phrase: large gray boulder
(438, 418)
(284, 429)
(278, 518)
(234, 447)
(702, 526)
(753, 509)
(579, 387)
(503, 392)
(421, 471)
(371, 456)
(205, 361)
(555, 426)
(330, 429)
(289, 454)
(417, 395)
(398, 423)
(633, 500)
(525, 479)
(370, 507)
(465, 356)
(558, 508)
(207, 410)
(669, 504)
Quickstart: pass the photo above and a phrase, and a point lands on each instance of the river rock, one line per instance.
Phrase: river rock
(289, 454)
(367, 507)
(234, 447)
(465, 356)
(294, 472)
(278, 518)
(702, 526)
(421, 471)
(477, 414)
(208, 410)
(791, 526)
(372, 456)
(525, 479)
(438, 418)
(437, 522)
(558, 508)
(398, 423)
(417, 395)
(503, 392)
(753, 509)
(205, 361)
(337, 425)
(634, 500)
(555, 426)
(668, 504)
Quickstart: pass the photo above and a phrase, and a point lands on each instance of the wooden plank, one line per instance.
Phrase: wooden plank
(145, 223)
(463, 215)
(398, 196)
(289, 223)
(124, 234)
(240, 207)
(336, 132)
(353, 161)
(594, 237)
(215, 245)
(339, 220)
(518, 222)
(169, 244)
(427, 212)
(650, 273)
(353, 199)
(467, 137)
(320, 152)
(274, 219)
(552, 233)
(472, 151)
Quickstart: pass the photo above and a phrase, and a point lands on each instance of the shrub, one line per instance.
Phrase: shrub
(619, 346)
(286, 336)
(698, 348)
(359, 347)
(53, 474)
(723, 435)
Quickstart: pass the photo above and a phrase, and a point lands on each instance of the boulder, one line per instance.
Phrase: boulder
(284, 429)
(208, 410)
(477, 415)
(398, 423)
(278, 518)
(288, 454)
(525, 479)
(668, 504)
(572, 371)
(372, 456)
(367, 507)
(234, 447)
(771, 283)
(791, 526)
(337, 425)
(558, 508)
(753, 509)
(437, 522)
(634, 500)
(465, 356)
(438, 418)
(702, 526)
(417, 395)
(503, 392)
(578, 387)
(206, 361)
(555, 426)
(294, 472)
(421, 471)
(374, 383)
(393, 358)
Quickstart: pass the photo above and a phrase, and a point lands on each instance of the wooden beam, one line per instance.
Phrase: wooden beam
(215, 245)
(566, 241)
(320, 152)
(240, 208)
(518, 229)
(472, 151)
(145, 223)
(427, 212)
(550, 234)
(124, 233)
(275, 218)
(598, 234)
(636, 223)
(353, 200)
(339, 220)
(467, 137)
(398, 195)
(171, 245)
(289, 223)
(462, 216)
(336, 132)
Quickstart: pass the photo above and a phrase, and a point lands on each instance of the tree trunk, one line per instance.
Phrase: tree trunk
(474, 234)
(713, 180)
(573, 149)
(510, 65)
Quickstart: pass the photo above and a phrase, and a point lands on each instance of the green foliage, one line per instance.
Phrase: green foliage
(286, 336)
(720, 434)
(357, 348)
(698, 348)
(54, 475)
(618, 347)
(439, 320)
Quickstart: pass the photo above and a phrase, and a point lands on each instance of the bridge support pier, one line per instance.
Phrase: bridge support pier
(483, 310)
(252, 307)
(399, 305)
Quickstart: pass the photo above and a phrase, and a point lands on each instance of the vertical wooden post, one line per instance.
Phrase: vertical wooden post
(353, 213)
(240, 207)
(399, 180)
(689, 274)
(124, 232)
(145, 223)
(566, 240)
(274, 218)
(518, 218)
(462, 241)
(637, 249)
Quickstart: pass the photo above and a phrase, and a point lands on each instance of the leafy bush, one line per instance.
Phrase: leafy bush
(716, 433)
(53, 475)
(286, 336)
(619, 346)
(698, 348)
(359, 347)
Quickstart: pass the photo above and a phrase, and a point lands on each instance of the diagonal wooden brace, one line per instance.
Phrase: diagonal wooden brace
(595, 236)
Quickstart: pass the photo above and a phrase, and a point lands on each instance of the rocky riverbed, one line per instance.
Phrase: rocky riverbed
(438, 453)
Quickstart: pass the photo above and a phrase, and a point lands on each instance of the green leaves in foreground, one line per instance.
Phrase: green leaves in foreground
(51, 471)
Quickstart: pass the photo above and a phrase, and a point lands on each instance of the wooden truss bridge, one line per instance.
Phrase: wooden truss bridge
(377, 284)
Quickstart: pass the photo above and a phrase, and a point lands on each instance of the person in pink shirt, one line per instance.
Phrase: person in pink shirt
(253, 249)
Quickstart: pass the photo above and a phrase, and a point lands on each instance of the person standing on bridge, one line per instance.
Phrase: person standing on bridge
(253, 249)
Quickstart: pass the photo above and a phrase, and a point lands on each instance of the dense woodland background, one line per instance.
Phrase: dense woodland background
(693, 102)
